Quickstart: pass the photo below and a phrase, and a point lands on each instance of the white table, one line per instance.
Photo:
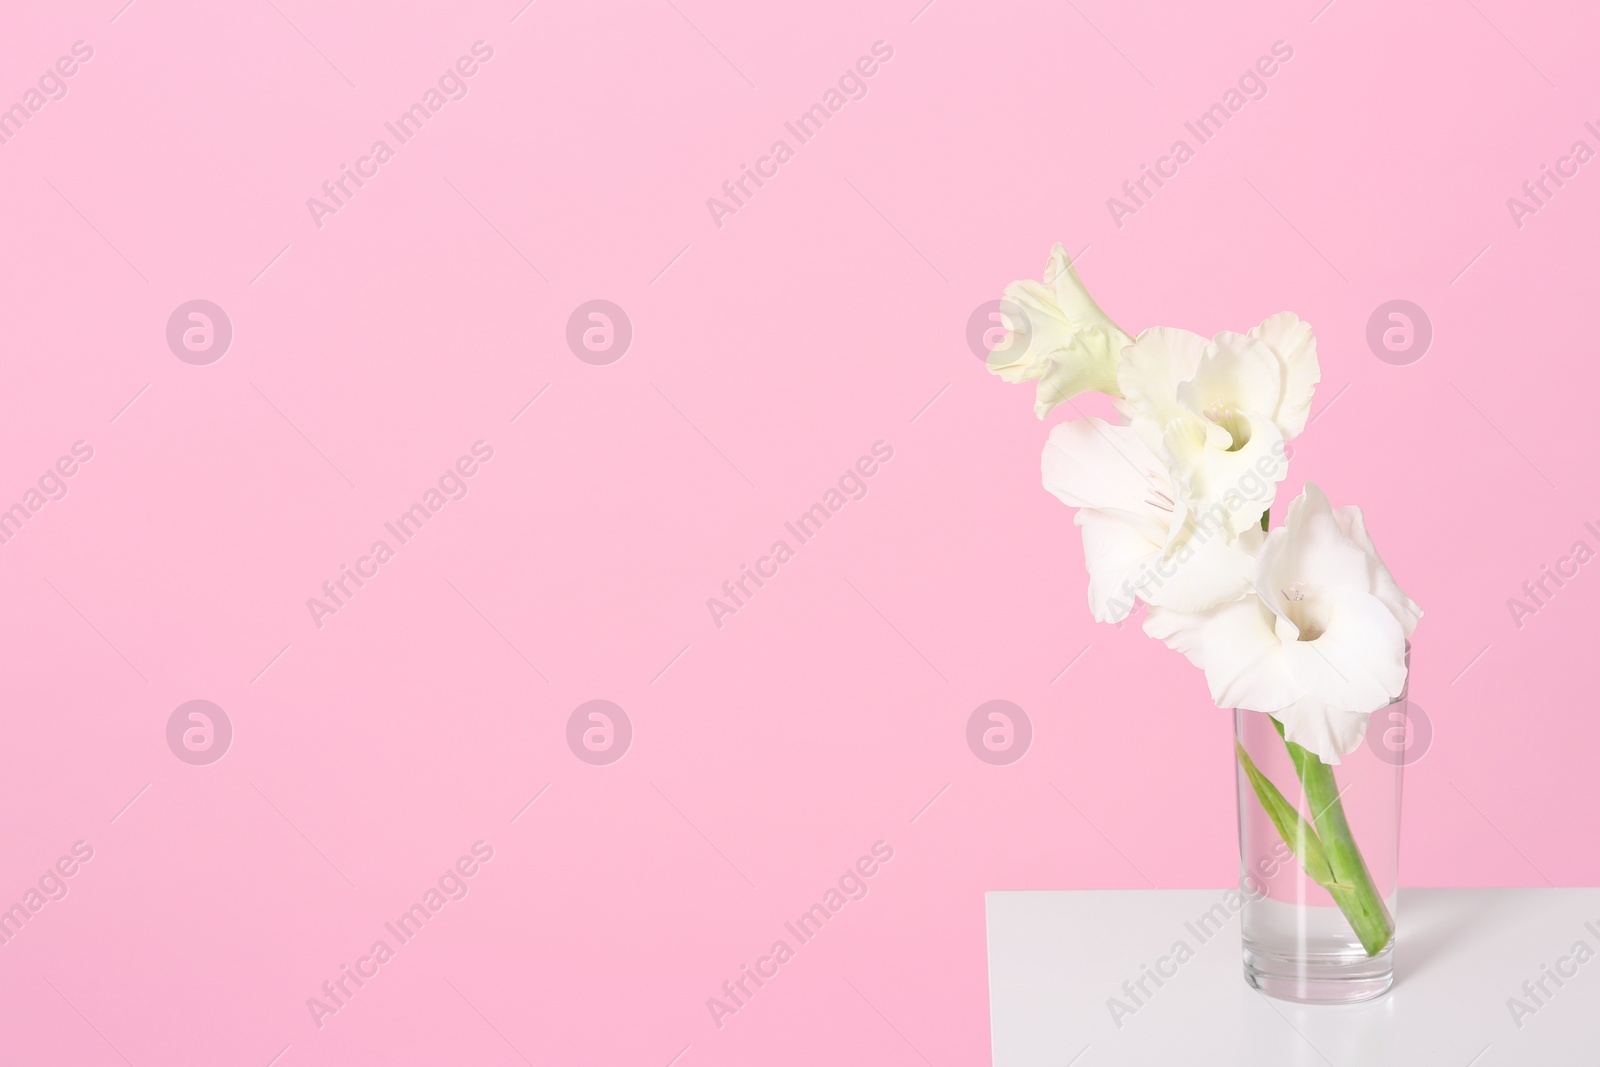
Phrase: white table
(1057, 957)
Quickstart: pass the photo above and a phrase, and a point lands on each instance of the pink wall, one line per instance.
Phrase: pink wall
(767, 756)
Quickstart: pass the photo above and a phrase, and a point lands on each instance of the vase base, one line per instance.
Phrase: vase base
(1321, 980)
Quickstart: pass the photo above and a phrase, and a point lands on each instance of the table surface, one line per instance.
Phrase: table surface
(1057, 958)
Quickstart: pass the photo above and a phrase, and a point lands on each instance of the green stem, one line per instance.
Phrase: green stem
(1355, 892)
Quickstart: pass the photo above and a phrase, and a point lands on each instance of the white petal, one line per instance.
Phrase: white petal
(1057, 349)
(1382, 583)
(1225, 488)
(1151, 370)
(1087, 365)
(1118, 549)
(1088, 463)
(1237, 373)
(1202, 569)
(1071, 294)
(1327, 732)
(1310, 548)
(1356, 667)
(1181, 631)
(1292, 342)
(1138, 540)
(1013, 359)
(1067, 343)
(1359, 661)
(1236, 647)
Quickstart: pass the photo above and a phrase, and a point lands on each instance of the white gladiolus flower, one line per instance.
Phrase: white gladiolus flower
(1222, 409)
(1065, 342)
(1304, 623)
(1320, 643)
(1138, 540)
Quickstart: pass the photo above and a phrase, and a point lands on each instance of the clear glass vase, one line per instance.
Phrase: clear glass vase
(1319, 850)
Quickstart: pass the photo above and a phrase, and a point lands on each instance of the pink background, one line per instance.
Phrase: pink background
(768, 354)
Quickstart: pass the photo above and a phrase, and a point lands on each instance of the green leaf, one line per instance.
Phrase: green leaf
(1292, 826)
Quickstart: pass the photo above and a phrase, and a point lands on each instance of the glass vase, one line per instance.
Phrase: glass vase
(1319, 850)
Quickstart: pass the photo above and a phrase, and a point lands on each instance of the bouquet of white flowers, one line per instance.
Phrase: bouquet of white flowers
(1302, 622)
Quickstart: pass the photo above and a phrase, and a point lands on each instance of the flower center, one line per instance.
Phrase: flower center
(1226, 416)
(1158, 497)
(1299, 611)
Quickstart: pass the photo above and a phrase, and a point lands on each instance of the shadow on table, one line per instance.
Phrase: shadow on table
(1430, 922)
